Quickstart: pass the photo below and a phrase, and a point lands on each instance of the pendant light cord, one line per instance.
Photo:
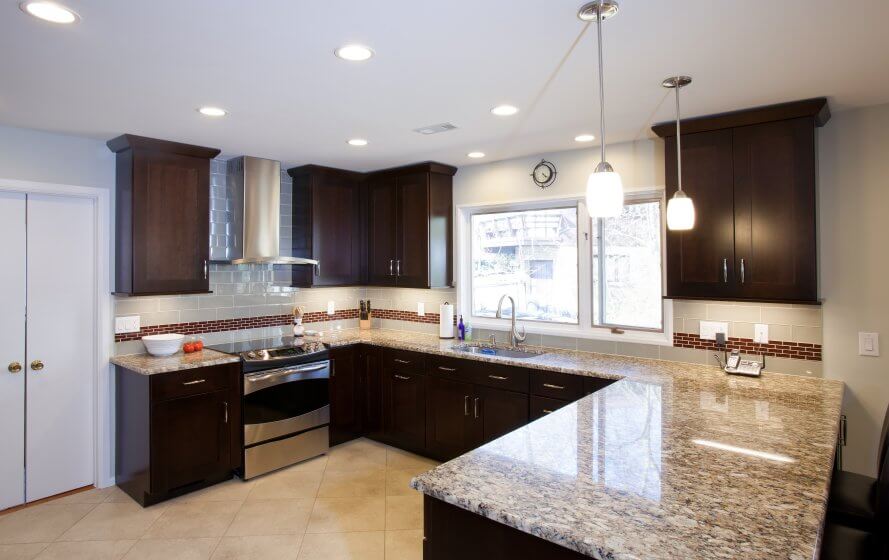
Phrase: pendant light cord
(601, 83)
(678, 140)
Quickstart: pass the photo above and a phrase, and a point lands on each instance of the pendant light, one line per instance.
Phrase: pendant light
(604, 188)
(680, 208)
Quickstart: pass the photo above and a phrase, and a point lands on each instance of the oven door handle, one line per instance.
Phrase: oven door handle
(264, 380)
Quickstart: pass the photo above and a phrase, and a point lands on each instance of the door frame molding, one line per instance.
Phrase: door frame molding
(103, 384)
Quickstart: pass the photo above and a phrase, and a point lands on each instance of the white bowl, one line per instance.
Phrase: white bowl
(163, 344)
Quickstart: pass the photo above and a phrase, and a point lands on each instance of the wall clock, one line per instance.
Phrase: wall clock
(544, 174)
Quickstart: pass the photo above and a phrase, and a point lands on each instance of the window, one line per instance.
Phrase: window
(530, 255)
(626, 275)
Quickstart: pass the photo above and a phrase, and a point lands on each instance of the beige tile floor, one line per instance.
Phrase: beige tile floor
(352, 504)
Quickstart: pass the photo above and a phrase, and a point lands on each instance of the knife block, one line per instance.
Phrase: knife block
(364, 324)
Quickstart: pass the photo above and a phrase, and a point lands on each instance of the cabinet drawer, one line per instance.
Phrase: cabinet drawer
(541, 406)
(454, 368)
(501, 377)
(190, 382)
(593, 384)
(404, 361)
(556, 385)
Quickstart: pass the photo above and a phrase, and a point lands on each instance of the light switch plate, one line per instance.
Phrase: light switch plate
(710, 328)
(127, 324)
(761, 333)
(421, 309)
(868, 344)
(331, 308)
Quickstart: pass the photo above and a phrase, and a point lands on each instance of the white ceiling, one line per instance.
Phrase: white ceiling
(143, 68)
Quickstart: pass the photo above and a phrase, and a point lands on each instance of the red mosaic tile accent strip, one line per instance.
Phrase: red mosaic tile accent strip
(776, 348)
(272, 321)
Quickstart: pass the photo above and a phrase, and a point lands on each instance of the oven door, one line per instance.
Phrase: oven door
(285, 401)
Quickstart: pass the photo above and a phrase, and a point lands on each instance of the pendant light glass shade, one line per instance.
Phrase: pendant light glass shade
(680, 212)
(604, 193)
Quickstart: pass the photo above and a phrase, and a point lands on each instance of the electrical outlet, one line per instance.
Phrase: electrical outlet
(868, 344)
(421, 309)
(127, 324)
(331, 308)
(710, 328)
(761, 333)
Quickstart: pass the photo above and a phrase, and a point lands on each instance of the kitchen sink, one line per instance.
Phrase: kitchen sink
(484, 350)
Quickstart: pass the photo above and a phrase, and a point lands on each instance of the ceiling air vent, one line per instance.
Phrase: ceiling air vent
(435, 128)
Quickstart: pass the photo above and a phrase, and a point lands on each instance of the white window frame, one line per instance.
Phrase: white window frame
(584, 327)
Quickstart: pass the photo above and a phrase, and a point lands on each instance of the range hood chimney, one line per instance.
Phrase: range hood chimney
(254, 192)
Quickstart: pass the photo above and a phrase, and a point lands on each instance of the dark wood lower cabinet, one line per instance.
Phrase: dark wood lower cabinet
(404, 408)
(177, 432)
(451, 532)
(499, 412)
(449, 417)
(541, 406)
(345, 401)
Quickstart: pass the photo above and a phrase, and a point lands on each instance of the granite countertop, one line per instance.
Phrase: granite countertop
(672, 461)
(147, 364)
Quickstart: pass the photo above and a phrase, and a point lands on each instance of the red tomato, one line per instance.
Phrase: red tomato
(188, 348)
(199, 345)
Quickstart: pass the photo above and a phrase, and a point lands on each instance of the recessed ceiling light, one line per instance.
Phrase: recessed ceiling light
(357, 142)
(212, 112)
(49, 11)
(476, 155)
(505, 110)
(354, 53)
(584, 138)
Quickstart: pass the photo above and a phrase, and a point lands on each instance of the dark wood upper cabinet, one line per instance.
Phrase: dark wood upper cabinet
(162, 216)
(410, 226)
(751, 175)
(327, 225)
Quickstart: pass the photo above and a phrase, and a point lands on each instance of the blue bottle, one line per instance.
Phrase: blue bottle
(461, 329)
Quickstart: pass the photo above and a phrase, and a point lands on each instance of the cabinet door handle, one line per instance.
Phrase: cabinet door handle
(449, 369)
(398, 267)
(195, 382)
(546, 411)
(742, 271)
(399, 361)
(14, 367)
(551, 386)
(466, 405)
(391, 267)
(402, 377)
(498, 377)
(725, 270)
(37, 365)
(225, 412)
(206, 269)
(475, 407)
(318, 269)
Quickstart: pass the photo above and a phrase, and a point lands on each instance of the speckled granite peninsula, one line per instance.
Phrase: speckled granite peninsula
(147, 364)
(673, 461)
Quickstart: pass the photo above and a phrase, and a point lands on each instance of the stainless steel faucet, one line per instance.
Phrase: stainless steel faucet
(515, 335)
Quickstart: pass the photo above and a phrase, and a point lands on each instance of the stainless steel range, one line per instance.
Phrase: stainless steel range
(286, 401)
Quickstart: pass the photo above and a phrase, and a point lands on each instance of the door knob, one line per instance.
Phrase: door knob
(37, 365)
(14, 367)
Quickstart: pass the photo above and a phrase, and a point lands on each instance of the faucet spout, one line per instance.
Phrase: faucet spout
(516, 336)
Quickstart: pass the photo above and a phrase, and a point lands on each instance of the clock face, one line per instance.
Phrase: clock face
(544, 174)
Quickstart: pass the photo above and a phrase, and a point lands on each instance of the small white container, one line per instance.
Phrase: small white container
(163, 344)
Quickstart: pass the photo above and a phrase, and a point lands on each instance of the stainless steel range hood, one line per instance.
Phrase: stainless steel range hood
(254, 194)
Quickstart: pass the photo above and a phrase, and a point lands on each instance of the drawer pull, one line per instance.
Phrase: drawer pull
(547, 411)
(475, 407)
(399, 361)
(402, 377)
(442, 368)
(498, 377)
(195, 382)
(225, 412)
(466, 405)
(551, 386)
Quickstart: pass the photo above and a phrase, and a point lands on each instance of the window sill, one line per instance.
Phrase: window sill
(575, 331)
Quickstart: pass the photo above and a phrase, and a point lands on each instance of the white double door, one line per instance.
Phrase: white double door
(47, 329)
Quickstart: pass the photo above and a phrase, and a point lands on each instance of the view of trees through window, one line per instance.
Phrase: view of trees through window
(530, 255)
(627, 285)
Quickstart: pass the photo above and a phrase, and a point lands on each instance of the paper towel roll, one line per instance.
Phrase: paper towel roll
(446, 321)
